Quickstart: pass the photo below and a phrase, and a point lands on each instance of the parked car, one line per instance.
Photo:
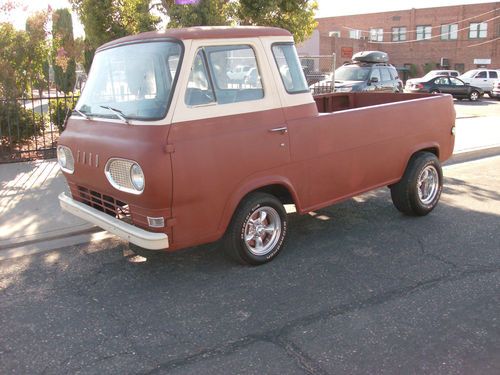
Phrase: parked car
(446, 85)
(495, 92)
(432, 74)
(185, 164)
(368, 72)
(482, 78)
(239, 73)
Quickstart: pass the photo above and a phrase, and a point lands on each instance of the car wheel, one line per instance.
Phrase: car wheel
(258, 230)
(419, 190)
(473, 96)
(435, 92)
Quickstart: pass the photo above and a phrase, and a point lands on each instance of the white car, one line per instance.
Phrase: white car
(239, 72)
(431, 74)
(495, 92)
(483, 78)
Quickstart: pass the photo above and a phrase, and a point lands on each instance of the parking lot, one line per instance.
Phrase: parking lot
(359, 289)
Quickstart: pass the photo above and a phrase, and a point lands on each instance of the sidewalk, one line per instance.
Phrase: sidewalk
(32, 221)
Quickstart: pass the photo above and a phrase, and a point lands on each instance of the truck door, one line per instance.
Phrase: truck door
(225, 131)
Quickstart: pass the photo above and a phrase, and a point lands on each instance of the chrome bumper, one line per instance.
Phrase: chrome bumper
(131, 233)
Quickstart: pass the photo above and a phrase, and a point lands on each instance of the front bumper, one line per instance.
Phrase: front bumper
(131, 233)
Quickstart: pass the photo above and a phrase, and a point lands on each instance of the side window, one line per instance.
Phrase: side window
(394, 73)
(441, 81)
(385, 75)
(290, 69)
(199, 89)
(375, 74)
(456, 82)
(493, 75)
(481, 75)
(235, 73)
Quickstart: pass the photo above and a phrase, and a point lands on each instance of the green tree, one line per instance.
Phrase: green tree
(63, 50)
(105, 20)
(37, 50)
(297, 16)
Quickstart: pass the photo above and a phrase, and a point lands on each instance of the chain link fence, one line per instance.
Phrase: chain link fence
(319, 72)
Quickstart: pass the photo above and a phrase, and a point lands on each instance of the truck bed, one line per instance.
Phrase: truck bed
(333, 102)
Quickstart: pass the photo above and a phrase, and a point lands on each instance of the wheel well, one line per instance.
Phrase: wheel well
(279, 191)
(432, 150)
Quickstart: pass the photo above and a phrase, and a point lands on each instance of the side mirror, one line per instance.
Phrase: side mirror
(374, 80)
(467, 84)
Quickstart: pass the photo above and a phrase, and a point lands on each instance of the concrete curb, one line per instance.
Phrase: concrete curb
(473, 154)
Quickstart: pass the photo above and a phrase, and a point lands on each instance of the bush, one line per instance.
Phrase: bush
(18, 124)
(59, 109)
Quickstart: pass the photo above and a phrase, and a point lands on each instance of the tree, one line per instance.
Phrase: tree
(63, 50)
(297, 16)
(105, 20)
(37, 49)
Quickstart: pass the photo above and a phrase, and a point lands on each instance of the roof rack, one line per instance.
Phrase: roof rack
(371, 57)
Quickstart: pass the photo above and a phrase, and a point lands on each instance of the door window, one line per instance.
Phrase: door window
(441, 81)
(290, 68)
(235, 73)
(456, 82)
(493, 75)
(481, 75)
(375, 74)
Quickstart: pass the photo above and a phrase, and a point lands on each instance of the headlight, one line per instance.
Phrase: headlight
(125, 175)
(137, 177)
(65, 159)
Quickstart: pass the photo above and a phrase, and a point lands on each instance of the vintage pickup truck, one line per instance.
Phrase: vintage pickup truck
(167, 151)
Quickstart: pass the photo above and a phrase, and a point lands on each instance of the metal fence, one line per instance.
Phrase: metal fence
(319, 72)
(30, 126)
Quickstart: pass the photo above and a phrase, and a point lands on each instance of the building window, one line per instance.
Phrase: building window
(334, 34)
(398, 34)
(376, 35)
(355, 34)
(478, 30)
(424, 32)
(449, 32)
(460, 67)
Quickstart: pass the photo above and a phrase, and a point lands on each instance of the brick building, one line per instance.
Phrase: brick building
(458, 37)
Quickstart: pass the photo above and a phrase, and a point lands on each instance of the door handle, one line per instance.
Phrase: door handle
(281, 130)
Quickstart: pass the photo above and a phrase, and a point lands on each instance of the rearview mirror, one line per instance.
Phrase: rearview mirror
(374, 80)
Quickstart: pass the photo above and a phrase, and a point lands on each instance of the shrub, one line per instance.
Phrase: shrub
(18, 124)
(59, 109)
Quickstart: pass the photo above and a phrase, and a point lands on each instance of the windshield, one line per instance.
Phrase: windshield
(352, 73)
(135, 81)
(469, 74)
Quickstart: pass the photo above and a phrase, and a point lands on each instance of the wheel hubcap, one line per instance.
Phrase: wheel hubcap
(262, 231)
(473, 96)
(428, 184)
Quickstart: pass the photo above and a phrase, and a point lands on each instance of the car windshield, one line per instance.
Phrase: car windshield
(469, 74)
(352, 73)
(133, 81)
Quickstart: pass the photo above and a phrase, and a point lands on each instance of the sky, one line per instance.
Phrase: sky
(327, 8)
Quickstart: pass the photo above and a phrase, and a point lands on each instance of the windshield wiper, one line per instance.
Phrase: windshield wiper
(85, 116)
(117, 112)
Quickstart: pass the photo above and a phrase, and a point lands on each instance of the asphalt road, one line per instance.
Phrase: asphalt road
(360, 289)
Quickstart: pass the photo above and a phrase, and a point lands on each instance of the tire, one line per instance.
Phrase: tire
(258, 230)
(474, 96)
(419, 190)
(435, 92)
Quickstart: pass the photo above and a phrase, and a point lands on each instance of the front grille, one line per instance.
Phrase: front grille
(105, 203)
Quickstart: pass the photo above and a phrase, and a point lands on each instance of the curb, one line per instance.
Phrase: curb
(474, 154)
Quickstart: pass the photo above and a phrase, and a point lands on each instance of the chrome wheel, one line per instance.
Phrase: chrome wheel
(262, 230)
(428, 184)
(474, 95)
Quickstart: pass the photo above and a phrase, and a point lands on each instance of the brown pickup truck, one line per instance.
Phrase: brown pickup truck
(167, 150)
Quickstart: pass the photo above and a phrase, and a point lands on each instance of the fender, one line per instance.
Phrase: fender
(247, 187)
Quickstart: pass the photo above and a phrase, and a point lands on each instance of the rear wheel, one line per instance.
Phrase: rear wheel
(474, 95)
(419, 190)
(258, 230)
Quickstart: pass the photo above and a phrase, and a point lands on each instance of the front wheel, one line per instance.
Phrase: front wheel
(473, 96)
(258, 230)
(419, 190)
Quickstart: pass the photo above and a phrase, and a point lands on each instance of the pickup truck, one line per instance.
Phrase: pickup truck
(164, 150)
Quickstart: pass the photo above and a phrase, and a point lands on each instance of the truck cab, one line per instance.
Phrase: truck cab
(167, 149)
